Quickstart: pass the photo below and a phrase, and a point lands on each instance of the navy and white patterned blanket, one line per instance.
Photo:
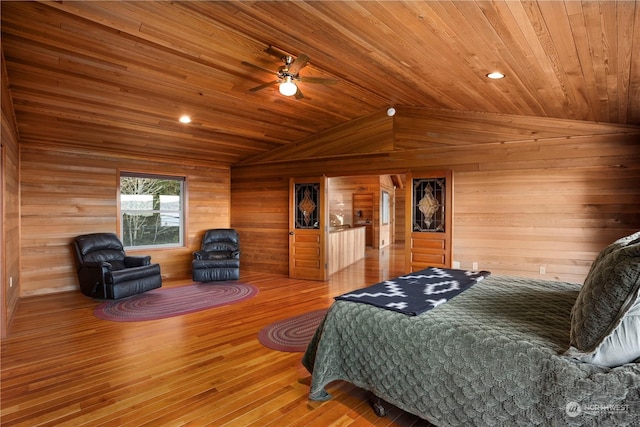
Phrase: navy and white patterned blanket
(417, 292)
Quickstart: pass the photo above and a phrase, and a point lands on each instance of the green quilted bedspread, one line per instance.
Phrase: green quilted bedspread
(492, 356)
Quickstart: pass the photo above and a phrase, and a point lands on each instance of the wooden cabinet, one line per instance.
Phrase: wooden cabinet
(346, 246)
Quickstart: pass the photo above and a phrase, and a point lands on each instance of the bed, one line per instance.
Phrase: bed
(506, 351)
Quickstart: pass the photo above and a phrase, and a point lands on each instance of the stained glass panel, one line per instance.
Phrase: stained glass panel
(307, 201)
(428, 204)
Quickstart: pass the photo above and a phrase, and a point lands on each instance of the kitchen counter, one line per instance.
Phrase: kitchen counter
(346, 246)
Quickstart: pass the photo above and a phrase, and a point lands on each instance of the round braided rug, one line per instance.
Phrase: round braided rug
(175, 301)
(292, 334)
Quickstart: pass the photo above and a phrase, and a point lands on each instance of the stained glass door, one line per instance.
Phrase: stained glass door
(308, 213)
(429, 211)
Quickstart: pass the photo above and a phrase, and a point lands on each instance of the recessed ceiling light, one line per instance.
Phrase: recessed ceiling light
(495, 75)
(185, 119)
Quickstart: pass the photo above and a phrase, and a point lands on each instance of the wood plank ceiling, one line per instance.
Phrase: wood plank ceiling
(120, 74)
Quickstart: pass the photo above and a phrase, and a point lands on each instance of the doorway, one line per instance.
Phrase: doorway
(353, 201)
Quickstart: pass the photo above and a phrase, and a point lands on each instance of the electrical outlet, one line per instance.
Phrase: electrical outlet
(474, 266)
(543, 269)
(456, 264)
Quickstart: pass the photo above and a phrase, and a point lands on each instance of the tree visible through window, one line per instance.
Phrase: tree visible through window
(151, 211)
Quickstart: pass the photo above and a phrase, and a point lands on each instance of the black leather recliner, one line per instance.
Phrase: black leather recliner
(219, 256)
(106, 272)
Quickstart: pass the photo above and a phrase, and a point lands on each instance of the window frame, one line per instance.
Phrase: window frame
(182, 232)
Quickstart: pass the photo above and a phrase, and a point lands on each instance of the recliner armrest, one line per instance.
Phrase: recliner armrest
(135, 273)
(137, 261)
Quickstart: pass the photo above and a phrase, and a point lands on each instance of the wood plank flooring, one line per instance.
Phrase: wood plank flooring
(63, 366)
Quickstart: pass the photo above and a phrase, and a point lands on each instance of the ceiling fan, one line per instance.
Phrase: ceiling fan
(289, 74)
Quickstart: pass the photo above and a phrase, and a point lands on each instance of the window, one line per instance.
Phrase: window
(151, 210)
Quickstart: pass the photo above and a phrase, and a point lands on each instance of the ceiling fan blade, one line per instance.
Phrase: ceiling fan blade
(300, 62)
(321, 80)
(257, 67)
(264, 85)
(299, 94)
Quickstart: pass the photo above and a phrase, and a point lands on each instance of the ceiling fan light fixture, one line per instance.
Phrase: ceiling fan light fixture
(288, 87)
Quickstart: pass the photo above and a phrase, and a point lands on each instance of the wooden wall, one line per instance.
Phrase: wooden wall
(518, 205)
(66, 192)
(10, 239)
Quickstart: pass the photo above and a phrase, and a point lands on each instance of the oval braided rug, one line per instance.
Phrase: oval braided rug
(292, 334)
(175, 301)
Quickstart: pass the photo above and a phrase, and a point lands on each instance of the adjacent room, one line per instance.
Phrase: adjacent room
(239, 170)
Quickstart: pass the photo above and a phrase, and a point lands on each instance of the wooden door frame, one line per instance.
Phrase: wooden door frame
(3, 291)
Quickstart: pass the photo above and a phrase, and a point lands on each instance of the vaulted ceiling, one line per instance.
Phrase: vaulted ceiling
(93, 74)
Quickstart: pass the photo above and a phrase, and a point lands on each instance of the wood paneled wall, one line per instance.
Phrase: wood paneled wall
(66, 192)
(372, 133)
(10, 239)
(554, 202)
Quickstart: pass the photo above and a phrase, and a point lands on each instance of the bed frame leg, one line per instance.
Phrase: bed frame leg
(378, 408)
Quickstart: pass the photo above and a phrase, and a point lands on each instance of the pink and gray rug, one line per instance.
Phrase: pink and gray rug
(292, 334)
(168, 302)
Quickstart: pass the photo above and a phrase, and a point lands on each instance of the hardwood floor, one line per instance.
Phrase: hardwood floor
(63, 366)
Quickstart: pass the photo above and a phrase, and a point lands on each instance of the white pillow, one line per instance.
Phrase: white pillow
(620, 347)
